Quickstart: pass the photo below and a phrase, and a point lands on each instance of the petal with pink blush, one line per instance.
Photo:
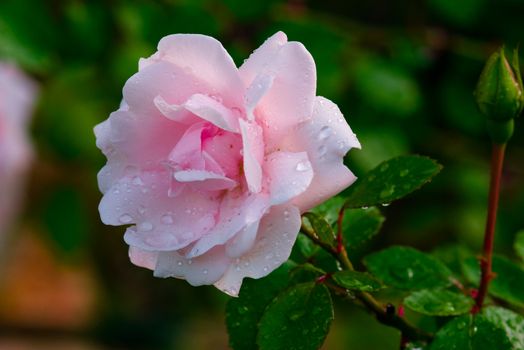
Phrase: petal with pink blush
(162, 222)
(332, 138)
(206, 59)
(202, 270)
(143, 258)
(262, 57)
(213, 111)
(290, 99)
(237, 210)
(276, 235)
(289, 175)
(258, 88)
(253, 149)
(243, 241)
(205, 180)
(174, 112)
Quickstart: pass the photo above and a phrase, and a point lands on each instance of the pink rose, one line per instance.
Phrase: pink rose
(17, 96)
(213, 164)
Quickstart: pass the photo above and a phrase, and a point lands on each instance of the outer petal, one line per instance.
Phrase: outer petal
(162, 223)
(236, 212)
(289, 175)
(276, 235)
(205, 269)
(143, 258)
(253, 148)
(290, 99)
(206, 59)
(262, 57)
(243, 241)
(326, 138)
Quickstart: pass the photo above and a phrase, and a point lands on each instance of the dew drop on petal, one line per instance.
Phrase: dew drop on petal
(145, 226)
(303, 166)
(166, 219)
(125, 218)
(324, 133)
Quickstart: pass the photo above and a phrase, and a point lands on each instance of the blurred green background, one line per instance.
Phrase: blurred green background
(402, 72)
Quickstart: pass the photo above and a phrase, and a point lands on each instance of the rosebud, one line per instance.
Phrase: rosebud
(499, 94)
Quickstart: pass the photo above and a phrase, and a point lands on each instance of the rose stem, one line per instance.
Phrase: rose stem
(497, 160)
(367, 299)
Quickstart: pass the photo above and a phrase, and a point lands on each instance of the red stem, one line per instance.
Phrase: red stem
(497, 160)
(340, 244)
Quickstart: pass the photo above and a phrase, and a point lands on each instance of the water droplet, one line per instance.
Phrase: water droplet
(324, 133)
(137, 181)
(205, 271)
(387, 192)
(386, 204)
(125, 218)
(116, 191)
(322, 150)
(365, 208)
(166, 219)
(303, 166)
(242, 310)
(266, 268)
(384, 167)
(246, 263)
(179, 263)
(269, 256)
(404, 172)
(141, 209)
(189, 262)
(237, 268)
(145, 226)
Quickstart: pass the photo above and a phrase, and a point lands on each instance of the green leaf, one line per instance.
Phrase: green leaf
(407, 268)
(298, 318)
(508, 283)
(436, 302)
(355, 280)
(329, 209)
(392, 180)
(322, 228)
(303, 249)
(494, 328)
(518, 245)
(360, 225)
(305, 273)
(244, 313)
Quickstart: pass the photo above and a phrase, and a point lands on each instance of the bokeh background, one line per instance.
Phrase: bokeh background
(401, 71)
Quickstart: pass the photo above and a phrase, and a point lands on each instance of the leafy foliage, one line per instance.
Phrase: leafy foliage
(392, 180)
(508, 283)
(360, 225)
(354, 280)
(298, 318)
(437, 302)
(407, 268)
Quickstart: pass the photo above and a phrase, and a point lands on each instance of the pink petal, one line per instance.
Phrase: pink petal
(213, 111)
(289, 175)
(253, 148)
(258, 89)
(224, 147)
(206, 60)
(262, 57)
(205, 180)
(290, 99)
(162, 223)
(174, 112)
(143, 258)
(326, 138)
(203, 270)
(243, 241)
(276, 235)
(237, 210)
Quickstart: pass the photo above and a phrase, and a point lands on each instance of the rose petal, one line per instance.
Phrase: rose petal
(243, 241)
(289, 174)
(261, 57)
(202, 270)
(253, 149)
(327, 138)
(290, 99)
(256, 91)
(174, 112)
(143, 258)
(213, 111)
(206, 59)
(205, 180)
(276, 235)
(236, 212)
(162, 223)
